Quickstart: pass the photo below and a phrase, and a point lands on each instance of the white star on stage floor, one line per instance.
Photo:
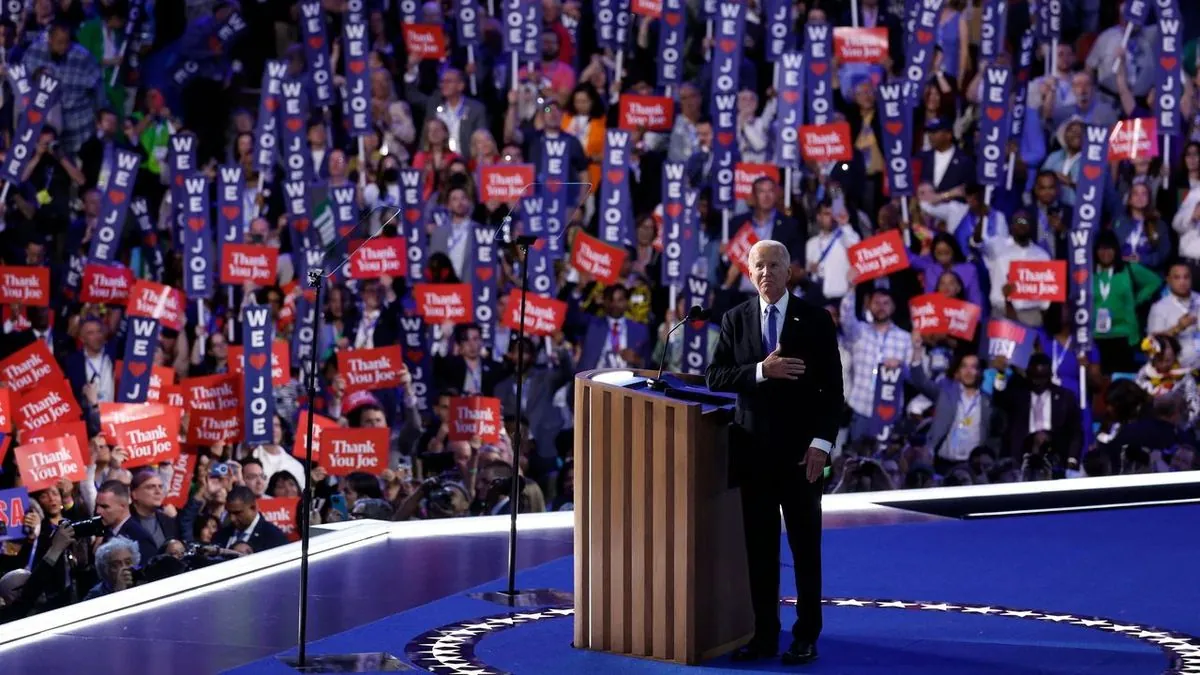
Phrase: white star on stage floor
(1056, 618)
(1122, 629)
(897, 604)
(1090, 623)
(851, 603)
(1022, 614)
(981, 610)
(941, 606)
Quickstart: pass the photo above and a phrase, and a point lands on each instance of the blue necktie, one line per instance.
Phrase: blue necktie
(769, 338)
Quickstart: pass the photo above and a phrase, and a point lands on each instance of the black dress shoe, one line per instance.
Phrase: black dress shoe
(800, 652)
(753, 652)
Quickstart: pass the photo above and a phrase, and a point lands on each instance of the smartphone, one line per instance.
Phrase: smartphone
(337, 502)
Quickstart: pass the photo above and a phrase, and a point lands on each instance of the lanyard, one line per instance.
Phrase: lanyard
(1135, 239)
(456, 236)
(1105, 286)
(879, 348)
(966, 416)
(473, 379)
(1057, 358)
(829, 247)
(94, 372)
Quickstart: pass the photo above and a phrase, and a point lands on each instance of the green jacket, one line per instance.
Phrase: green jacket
(91, 37)
(1131, 287)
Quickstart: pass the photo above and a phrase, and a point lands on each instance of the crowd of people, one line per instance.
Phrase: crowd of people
(409, 110)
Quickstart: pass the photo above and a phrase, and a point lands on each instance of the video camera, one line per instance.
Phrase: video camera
(91, 527)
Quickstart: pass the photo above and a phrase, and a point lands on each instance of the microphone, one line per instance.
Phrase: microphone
(696, 313)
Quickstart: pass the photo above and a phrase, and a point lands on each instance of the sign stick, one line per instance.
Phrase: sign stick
(200, 322)
(618, 68)
(673, 295)
(787, 189)
(471, 62)
(1124, 44)
(1167, 161)
(904, 210)
(515, 67)
(1012, 167)
(724, 226)
(229, 317)
(854, 13)
(708, 35)
(987, 194)
(362, 162)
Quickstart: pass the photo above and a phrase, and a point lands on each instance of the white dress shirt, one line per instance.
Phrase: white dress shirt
(999, 255)
(941, 162)
(1039, 412)
(1166, 313)
(459, 244)
(99, 370)
(833, 268)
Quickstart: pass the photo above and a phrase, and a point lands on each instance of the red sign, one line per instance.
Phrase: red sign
(23, 285)
(652, 113)
(246, 262)
(739, 247)
(320, 424)
(650, 8)
(936, 314)
(378, 257)
(77, 429)
(745, 174)
(860, 45)
(426, 41)
(346, 450)
(5, 410)
(1043, 281)
(29, 366)
(281, 362)
(543, 315)
(878, 256)
(598, 259)
(112, 415)
(51, 403)
(1133, 139)
(281, 512)
(106, 284)
(161, 378)
(439, 303)
(505, 183)
(367, 369)
(472, 416)
(214, 404)
(45, 463)
(180, 485)
(826, 142)
(157, 301)
(149, 441)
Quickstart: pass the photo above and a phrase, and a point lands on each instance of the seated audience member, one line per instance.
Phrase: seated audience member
(115, 560)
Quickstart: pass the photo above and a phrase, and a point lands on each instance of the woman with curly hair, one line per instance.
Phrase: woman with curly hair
(1163, 375)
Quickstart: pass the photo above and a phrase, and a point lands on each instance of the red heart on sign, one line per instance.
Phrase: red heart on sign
(231, 211)
(553, 185)
(357, 67)
(214, 43)
(35, 116)
(885, 412)
(179, 179)
(412, 215)
(894, 128)
(994, 113)
(258, 361)
(1168, 62)
(345, 230)
(415, 355)
(615, 175)
(818, 67)
(673, 18)
(725, 138)
(1081, 276)
(1092, 171)
(294, 124)
(674, 209)
(924, 37)
(137, 368)
(484, 273)
(196, 223)
(316, 42)
(271, 104)
(300, 224)
(117, 197)
(791, 96)
(728, 45)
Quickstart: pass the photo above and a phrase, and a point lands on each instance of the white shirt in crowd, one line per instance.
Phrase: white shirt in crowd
(835, 265)
(99, 370)
(1166, 313)
(941, 162)
(273, 463)
(1039, 412)
(999, 255)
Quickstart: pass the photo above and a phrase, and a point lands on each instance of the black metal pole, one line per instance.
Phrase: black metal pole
(514, 499)
(315, 278)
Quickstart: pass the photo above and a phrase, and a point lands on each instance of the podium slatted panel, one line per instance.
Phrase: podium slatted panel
(648, 473)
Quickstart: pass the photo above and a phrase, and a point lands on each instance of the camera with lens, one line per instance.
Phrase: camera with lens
(91, 527)
(439, 494)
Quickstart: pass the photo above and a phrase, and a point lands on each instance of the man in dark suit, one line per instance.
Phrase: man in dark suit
(112, 505)
(463, 115)
(466, 369)
(614, 340)
(536, 404)
(94, 364)
(947, 168)
(246, 524)
(1033, 404)
(39, 330)
(781, 358)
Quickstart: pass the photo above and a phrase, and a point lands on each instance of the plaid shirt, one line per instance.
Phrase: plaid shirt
(81, 89)
(868, 348)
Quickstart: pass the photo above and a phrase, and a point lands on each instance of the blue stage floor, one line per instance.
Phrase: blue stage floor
(1100, 592)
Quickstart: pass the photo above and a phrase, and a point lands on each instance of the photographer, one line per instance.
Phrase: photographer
(115, 560)
(20, 590)
(863, 474)
(437, 497)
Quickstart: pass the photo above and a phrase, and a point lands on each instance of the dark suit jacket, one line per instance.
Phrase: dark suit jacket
(145, 543)
(961, 170)
(946, 394)
(785, 231)
(780, 417)
(1066, 434)
(451, 372)
(545, 421)
(75, 368)
(387, 327)
(637, 338)
(264, 536)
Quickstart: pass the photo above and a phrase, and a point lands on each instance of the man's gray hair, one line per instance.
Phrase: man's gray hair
(766, 246)
(113, 546)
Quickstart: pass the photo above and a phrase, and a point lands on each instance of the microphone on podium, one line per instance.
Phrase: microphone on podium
(696, 313)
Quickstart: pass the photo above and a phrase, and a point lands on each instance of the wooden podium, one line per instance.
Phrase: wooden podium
(660, 561)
